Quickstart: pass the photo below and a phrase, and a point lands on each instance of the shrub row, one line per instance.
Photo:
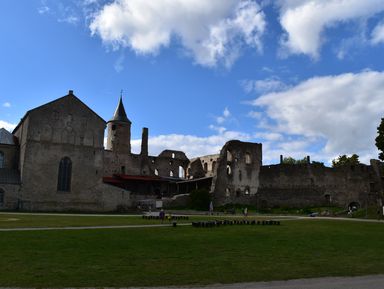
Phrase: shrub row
(165, 218)
(216, 223)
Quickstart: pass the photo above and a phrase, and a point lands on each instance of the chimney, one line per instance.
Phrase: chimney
(144, 142)
(308, 159)
(281, 159)
(70, 92)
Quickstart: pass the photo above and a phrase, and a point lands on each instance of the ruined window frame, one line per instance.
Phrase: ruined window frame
(248, 159)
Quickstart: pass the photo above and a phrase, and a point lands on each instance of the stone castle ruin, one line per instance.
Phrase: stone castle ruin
(55, 160)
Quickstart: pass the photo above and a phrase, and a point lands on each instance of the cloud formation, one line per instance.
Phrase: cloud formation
(8, 126)
(305, 21)
(378, 34)
(193, 146)
(342, 111)
(211, 32)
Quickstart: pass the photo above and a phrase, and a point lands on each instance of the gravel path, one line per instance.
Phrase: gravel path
(362, 282)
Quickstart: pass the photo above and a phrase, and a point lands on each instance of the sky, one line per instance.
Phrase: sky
(302, 77)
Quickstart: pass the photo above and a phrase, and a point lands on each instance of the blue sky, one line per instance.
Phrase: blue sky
(302, 77)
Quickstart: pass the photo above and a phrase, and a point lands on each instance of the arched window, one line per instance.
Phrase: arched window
(229, 171)
(213, 166)
(171, 173)
(229, 156)
(227, 192)
(1, 159)
(248, 158)
(205, 167)
(181, 172)
(64, 177)
(1, 198)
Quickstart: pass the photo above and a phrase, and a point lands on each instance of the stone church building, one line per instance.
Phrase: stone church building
(55, 160)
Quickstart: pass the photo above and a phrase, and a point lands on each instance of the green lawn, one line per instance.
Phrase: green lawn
(187, 255)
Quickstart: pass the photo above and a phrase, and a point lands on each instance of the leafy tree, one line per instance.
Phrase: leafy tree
(199, 199)
(292, 161)
(345, 160)
(380, 139)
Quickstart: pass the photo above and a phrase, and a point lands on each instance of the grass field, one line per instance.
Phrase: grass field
(188, 255)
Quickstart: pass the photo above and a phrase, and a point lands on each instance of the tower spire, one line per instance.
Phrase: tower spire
(120, 114)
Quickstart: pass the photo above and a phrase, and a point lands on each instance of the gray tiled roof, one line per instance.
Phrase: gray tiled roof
(6, 137)
(9, 176)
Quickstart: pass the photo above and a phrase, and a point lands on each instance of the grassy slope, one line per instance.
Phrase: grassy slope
(187, 255)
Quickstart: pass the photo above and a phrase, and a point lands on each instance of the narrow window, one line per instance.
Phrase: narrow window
(205, 167)
(247, 190)
(64, 177)
(173, 155)
(1, 198)
(248, 158)
(229, 156)
(213, 166)
(171, 173)
(229, 171)
(181, 172)
(113, 127)
(227, 192)
(156, 172)
(240, 175)
(1, 159)
(123, 170)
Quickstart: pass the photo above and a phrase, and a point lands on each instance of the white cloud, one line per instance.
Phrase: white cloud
(378, 34)
(212, 32)
(8, 126)
(193, 146)
(224, 117)
(119, 63)
(263, 86)
(342, 111)
(7, 104)
(305, 21)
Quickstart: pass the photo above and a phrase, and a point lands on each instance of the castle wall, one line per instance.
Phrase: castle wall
(236, 179)
(314, 185)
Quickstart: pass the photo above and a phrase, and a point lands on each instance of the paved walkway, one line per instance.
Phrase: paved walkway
(362, 282)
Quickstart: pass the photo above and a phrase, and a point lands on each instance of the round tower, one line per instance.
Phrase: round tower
(119, 131)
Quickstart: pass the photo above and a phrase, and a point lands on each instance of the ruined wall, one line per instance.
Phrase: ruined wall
(137, 164)
(208, 164)
(236, 179)
(314, 185)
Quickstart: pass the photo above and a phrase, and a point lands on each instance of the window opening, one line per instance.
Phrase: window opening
(65, 173)
(247, 158)
(1, 160)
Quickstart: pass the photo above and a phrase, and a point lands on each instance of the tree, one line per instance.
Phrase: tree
(380, 139)
(199, 199)
(345, 160)
(292, 161)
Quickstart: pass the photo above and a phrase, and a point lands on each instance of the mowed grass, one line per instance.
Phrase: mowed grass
(188, 255)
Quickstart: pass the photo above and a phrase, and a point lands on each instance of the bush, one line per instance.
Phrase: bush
(199, 199)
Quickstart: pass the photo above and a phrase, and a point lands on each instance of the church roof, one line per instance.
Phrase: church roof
(6, 137)
(120, 114)
(69, 95)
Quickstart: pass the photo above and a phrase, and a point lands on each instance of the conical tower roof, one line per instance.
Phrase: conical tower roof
(120, 114)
